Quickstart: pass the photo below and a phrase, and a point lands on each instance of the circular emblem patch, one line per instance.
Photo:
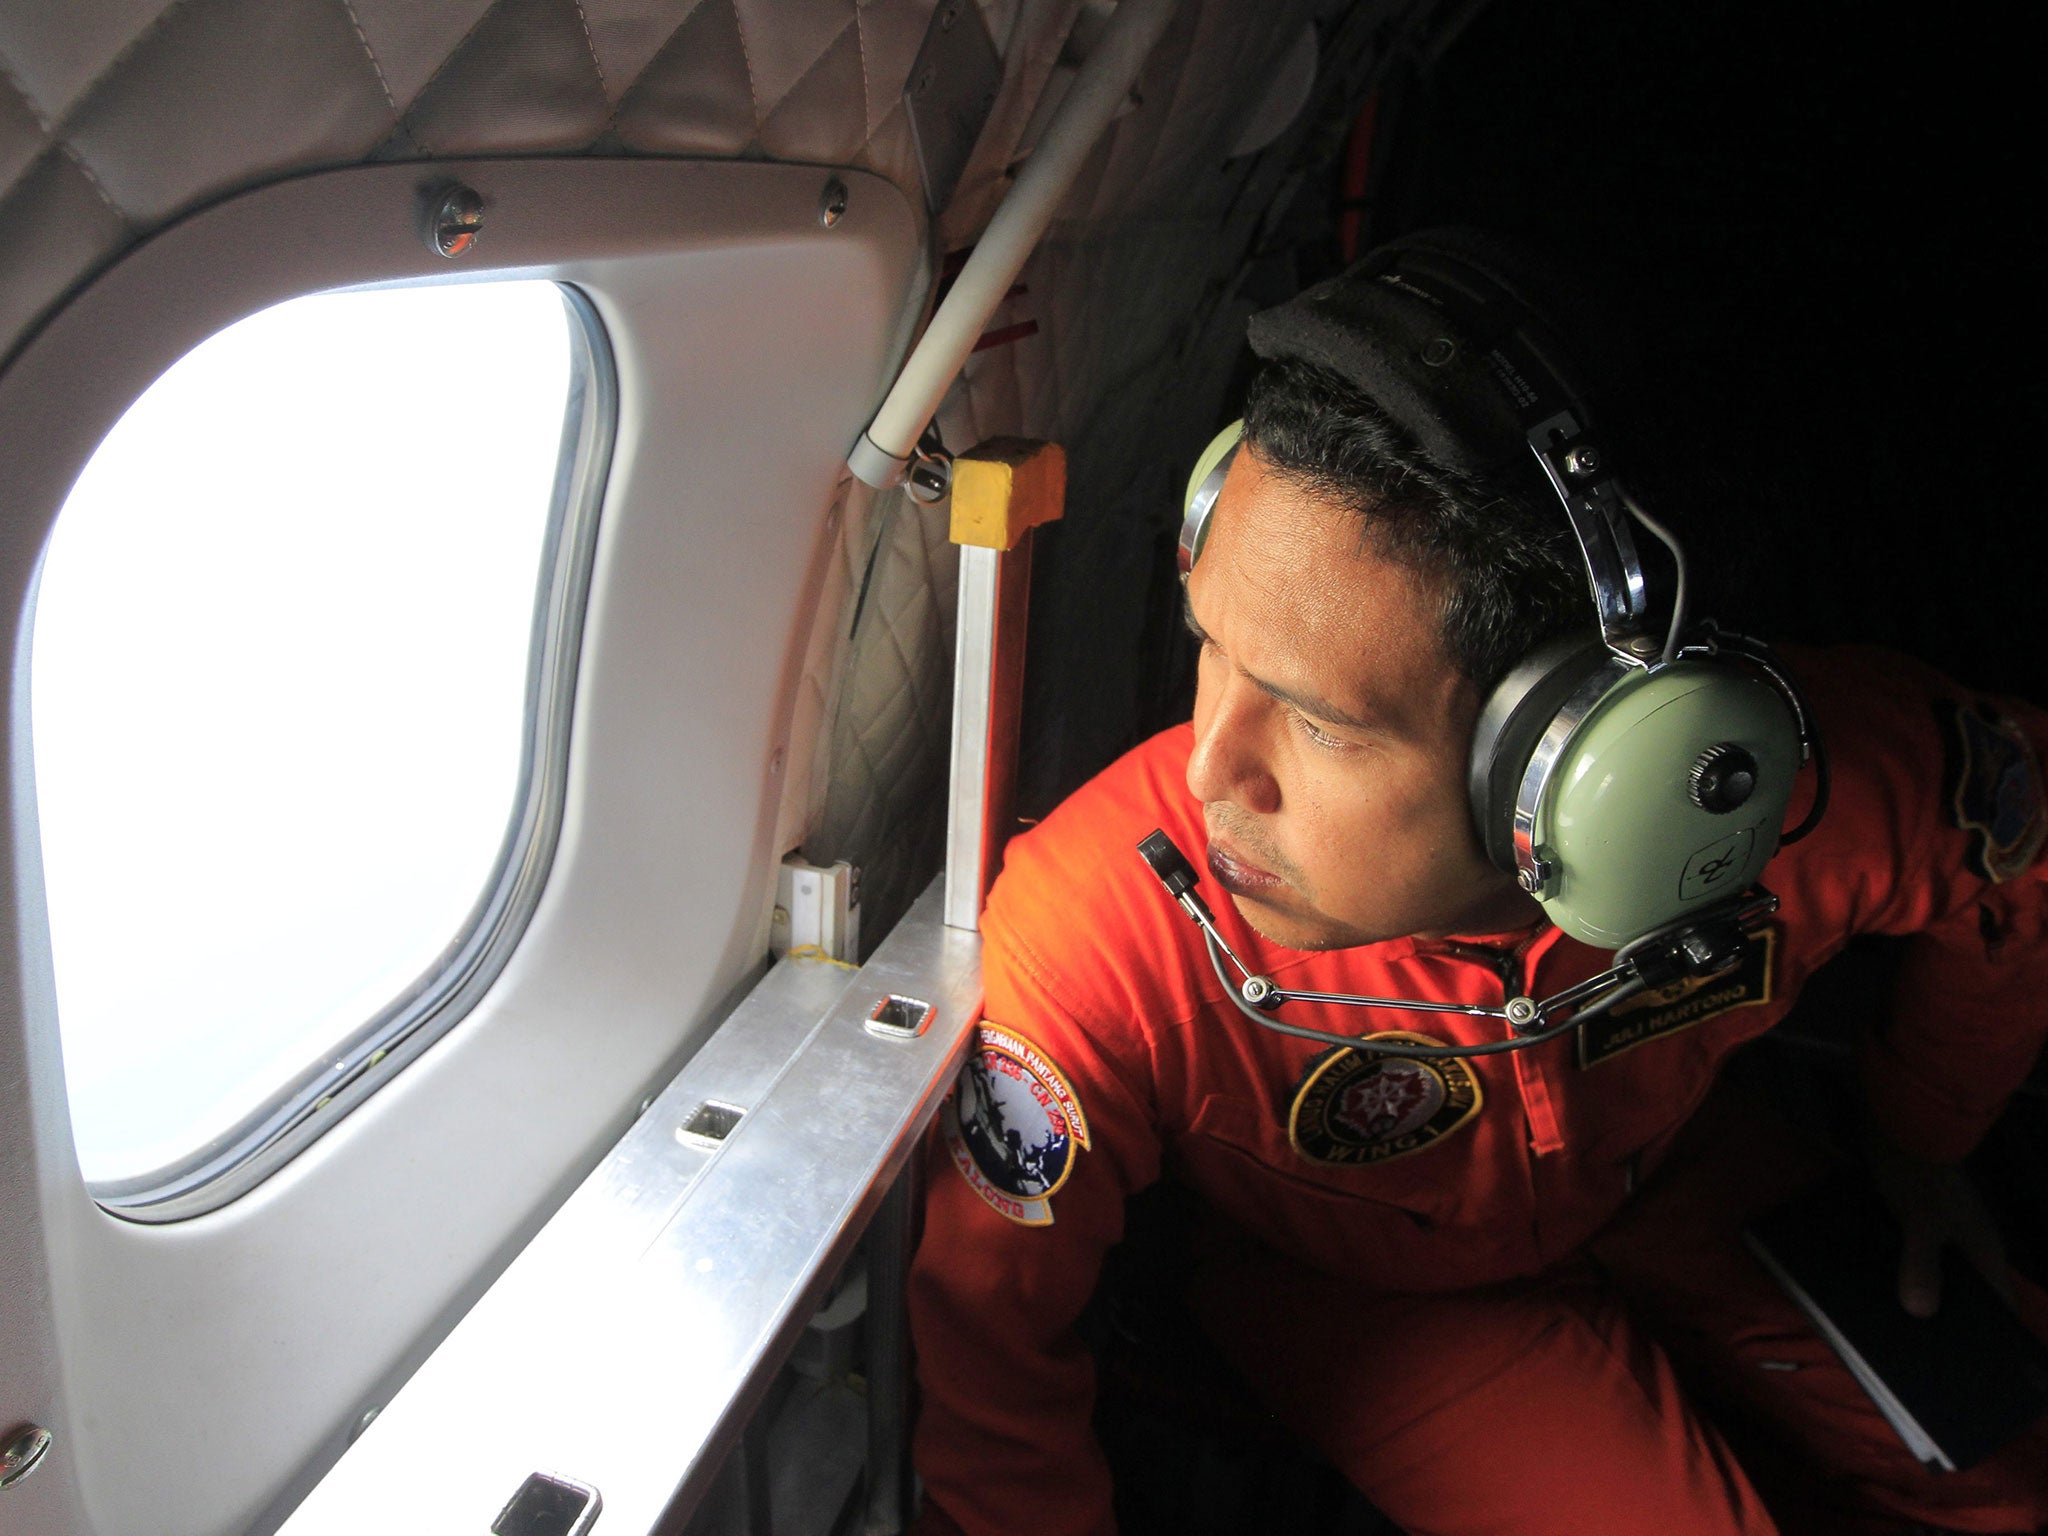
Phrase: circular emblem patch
(1013, 1126)
(1355, 1106)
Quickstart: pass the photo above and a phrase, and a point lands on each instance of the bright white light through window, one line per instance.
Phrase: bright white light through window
(280, 672)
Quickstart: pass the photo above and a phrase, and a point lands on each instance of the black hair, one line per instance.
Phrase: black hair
(1512, 574)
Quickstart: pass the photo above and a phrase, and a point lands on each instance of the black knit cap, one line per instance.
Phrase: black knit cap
(1439, 330)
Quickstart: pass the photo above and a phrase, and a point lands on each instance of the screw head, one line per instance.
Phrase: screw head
(1521, 1012)
(1257, 989)
(22, 1452)
(832, 202)
(1583, 461)
(457, 220)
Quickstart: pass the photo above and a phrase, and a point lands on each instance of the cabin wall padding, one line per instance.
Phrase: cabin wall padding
(881, 797)
(120, 116)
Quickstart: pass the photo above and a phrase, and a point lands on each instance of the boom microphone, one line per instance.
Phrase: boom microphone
(1705, 945)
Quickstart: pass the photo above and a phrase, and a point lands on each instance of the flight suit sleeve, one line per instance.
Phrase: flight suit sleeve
(1941, 825)
(1027, 1170)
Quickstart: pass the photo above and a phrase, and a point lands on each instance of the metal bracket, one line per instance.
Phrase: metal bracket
(950, 92)
(1577, 471)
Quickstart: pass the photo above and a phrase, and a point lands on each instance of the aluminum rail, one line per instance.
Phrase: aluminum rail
(627, 1347)
(977, 701)
(882, 454)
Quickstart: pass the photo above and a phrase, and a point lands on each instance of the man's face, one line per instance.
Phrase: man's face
(1331, 730)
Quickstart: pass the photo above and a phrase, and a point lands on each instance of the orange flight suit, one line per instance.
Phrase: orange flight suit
(1446, 1279)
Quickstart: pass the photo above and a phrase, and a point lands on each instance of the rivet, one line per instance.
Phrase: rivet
(369, 1417)
(457, 220)
(832, 202)
(1440, 351)
(1583, 460)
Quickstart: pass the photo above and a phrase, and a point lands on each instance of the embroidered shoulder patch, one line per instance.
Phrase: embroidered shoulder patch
(1013, 1126)
(1666, 1010)
(1356, 1107)
(1993, 790)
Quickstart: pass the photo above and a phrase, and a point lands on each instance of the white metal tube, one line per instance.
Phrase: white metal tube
(1098, 90)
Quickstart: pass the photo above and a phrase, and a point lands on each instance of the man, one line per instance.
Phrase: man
(1465, 1281)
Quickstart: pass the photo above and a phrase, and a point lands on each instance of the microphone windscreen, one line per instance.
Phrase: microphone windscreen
(1168, 863)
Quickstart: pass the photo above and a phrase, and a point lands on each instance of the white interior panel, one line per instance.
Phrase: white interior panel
(199, 1375)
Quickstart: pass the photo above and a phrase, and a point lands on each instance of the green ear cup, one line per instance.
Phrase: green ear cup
(1668, 798)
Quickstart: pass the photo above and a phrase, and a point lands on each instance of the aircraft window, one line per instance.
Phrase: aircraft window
(298, 730)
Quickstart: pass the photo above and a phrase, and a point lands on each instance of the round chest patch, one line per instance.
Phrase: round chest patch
(1356, 1106)
(1013, 1126)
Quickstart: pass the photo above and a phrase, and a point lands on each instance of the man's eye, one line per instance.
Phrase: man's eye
(1320, 737)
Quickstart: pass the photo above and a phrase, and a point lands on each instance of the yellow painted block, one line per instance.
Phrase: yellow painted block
(1005, 486)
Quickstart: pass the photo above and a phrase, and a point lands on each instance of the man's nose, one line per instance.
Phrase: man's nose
(1233, 746)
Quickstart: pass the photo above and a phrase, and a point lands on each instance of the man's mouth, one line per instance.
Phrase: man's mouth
(1238, 876)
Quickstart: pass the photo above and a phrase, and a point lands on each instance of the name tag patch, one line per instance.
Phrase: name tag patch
(1666, 1010)
(1013, 1126)
(1356, 1107)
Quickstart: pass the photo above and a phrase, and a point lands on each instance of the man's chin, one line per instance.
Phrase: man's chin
(1292, 929)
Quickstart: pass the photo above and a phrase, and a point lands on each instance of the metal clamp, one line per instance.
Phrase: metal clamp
(931, 469)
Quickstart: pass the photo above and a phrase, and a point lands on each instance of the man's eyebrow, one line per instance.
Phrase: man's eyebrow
(1307, 703)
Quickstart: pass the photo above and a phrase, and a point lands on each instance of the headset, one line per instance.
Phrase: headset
(1635, 783)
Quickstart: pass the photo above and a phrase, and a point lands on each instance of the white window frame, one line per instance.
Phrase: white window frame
(752, 341)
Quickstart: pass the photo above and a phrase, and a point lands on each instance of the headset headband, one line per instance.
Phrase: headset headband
(1459, 361)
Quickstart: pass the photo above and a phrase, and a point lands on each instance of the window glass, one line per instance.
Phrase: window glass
(280, 680)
